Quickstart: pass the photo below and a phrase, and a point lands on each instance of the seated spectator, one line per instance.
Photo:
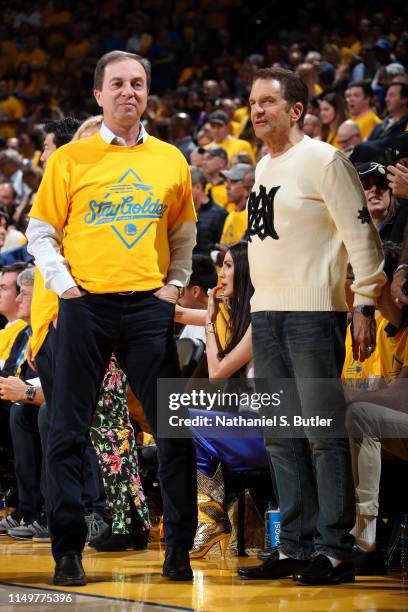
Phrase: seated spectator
(228, 354)
(396, 121)
(32, 176)
(377, 422)
(203, 278)
(215, 160)
(211, 217)
(23, 416)
(29, 144)
(312, 126)
(381, 204)
(11, 238)
(348, 135)
(180, 132)
(236, 224)
(359, 98)
(220, 125)
(9, 307)
(10, 168)
(331, 114)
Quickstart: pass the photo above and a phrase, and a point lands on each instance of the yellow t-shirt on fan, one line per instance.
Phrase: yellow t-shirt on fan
(116, 206)
(7, 337)
(235, 226)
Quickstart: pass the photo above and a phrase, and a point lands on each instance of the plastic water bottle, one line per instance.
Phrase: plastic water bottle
(404, 546)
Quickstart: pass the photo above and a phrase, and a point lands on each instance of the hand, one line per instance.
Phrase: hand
(72, 292)
(363, 331)
(212, 306)
(168, 293)
(398, 180)
(398, 282)
(12, 389)
(30, 358)
(222, 248)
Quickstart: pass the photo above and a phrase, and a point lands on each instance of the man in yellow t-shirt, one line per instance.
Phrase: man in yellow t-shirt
(220, 125)
(214, 161)
(8, 308)
(236, 223)
(112, 229)
(358, 97)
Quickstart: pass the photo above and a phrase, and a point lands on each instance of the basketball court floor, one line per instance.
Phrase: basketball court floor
(132, 581)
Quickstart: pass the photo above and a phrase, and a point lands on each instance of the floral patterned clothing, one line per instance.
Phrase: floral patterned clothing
(114, 441)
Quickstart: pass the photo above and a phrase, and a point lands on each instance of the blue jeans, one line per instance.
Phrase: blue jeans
(313, 474)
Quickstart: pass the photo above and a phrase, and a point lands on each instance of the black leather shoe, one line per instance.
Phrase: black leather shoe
(272, 569)
(117, 542)
(177, 563)
(321, 571)
(69, 571)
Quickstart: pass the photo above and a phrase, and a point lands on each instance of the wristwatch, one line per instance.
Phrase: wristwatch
(366, 311)
(210, 328)
(30, 393)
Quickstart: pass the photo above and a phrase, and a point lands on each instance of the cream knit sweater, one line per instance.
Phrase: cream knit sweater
(307, 217)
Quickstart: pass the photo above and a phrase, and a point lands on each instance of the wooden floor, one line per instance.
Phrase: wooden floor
(132, 581)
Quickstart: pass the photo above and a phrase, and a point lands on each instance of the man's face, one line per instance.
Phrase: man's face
(193, 297)
(8, 293)
(24, 302)
(198, 194)
(270, 113)
(7, 168)
(6, 194)
(123, 96)
(235, 191)
(49, 147)
(219, 132)
(356, 101)
(212, 164)
(393, 100)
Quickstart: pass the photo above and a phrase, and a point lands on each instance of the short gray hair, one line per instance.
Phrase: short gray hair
(114, 56)
(11, 156)
(26, 277)
(197, 176)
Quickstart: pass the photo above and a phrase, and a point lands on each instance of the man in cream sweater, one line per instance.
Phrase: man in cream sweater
(307, 217)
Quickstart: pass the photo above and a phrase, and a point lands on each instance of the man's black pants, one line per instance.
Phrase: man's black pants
(138, 328)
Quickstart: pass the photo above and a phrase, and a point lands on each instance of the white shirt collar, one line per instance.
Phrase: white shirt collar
(107, 135)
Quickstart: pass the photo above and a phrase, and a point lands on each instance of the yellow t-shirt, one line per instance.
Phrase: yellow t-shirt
(333, 140)
(367, 123)
(44, 309)
(389, 357)
(235, 226)
(218, 193)
(7, 337)
(116, 206)
(232, 146)
(15, 110)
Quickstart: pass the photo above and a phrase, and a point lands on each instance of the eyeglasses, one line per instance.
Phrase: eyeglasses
(369, 181)
(344, 143)
(25, 296)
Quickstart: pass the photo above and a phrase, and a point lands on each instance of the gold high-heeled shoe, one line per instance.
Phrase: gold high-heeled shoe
(213, 523)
